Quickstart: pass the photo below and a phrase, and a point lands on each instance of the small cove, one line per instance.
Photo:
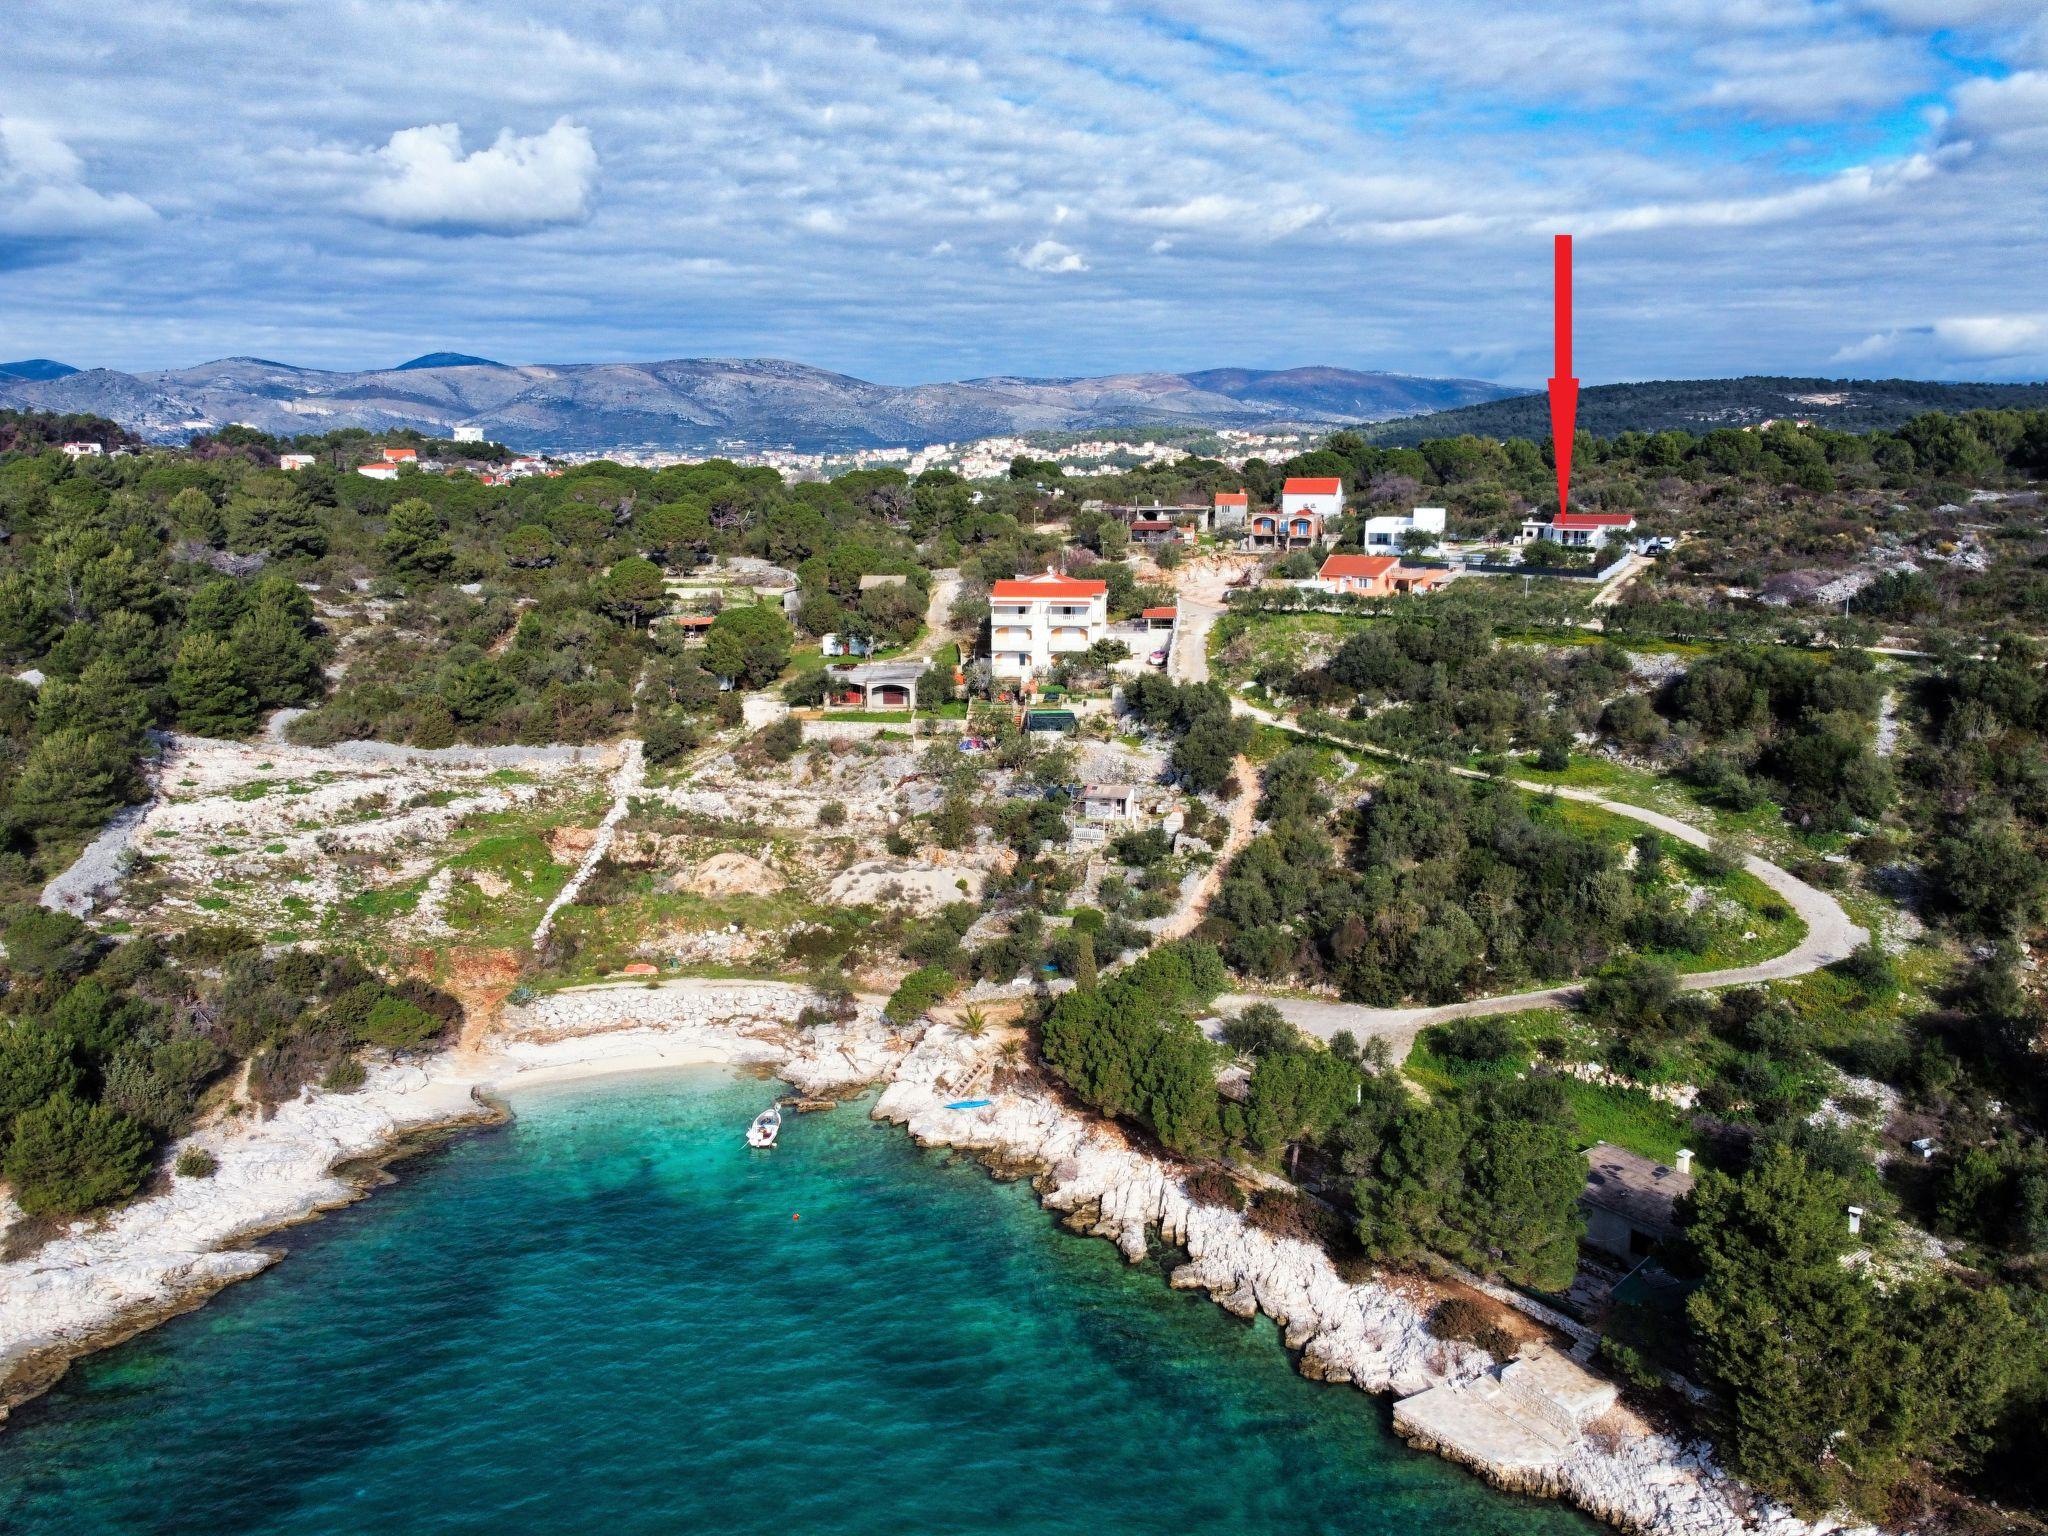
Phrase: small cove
(608, 1316)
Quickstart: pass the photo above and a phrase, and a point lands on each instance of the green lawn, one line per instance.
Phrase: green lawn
(1627, 1117)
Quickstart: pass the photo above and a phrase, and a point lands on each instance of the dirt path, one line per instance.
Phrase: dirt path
(937, 615)
(1243, 816)
(631, 775)
(1199, 595)
(1632, 566)
(1831, 935)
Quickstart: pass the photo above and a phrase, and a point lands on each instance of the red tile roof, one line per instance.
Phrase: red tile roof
(1161, 613)
(1312, 487)
(395, 454)
(1593, 520)
(1233, 499)
(1364, 567)
(1047, 585)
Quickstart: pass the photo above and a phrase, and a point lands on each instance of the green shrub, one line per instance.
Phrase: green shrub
(781, 740)
(197, 1163)
(398, 1025)
(920, 990)
(345, 1076)
(1214, 1187)
(1630, 1365)
(69, 1157)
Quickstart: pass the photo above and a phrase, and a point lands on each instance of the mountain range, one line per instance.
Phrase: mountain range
(1701, 405)
(706, 403)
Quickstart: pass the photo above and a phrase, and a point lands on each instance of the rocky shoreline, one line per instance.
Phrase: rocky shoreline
(94, 1286)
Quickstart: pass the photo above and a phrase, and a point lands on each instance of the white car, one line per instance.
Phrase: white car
(1157, 658)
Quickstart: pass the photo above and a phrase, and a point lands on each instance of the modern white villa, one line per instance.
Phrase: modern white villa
(1580, 530)
(1035, 620)
(1387, 534)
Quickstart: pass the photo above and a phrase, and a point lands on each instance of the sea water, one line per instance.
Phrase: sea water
(610, 1317)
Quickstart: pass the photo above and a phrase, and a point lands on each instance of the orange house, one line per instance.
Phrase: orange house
(1376, 576)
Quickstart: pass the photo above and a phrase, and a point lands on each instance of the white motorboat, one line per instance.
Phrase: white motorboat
(766, 1126)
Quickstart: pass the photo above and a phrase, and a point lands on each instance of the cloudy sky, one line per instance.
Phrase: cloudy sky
(927, 190)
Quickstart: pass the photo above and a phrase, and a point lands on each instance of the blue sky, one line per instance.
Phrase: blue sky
(924, 191)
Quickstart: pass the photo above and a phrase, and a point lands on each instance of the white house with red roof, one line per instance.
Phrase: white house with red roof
(1580, 530)
(401, 455)
(292, 461)
(1035, 620)
(1319, 497)
(377, 470)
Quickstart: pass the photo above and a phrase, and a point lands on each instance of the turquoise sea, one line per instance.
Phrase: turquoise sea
(609, 1317)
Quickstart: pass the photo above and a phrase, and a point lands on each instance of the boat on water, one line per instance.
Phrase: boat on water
(767, 1125)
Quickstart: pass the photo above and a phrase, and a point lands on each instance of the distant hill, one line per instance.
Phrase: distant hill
(447, 360)
(35, 368)
(1701, 405)
(709, 404)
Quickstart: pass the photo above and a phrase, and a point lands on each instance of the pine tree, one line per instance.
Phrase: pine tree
(70, 784)
(413, 541)
(274, 659)
(207, 691)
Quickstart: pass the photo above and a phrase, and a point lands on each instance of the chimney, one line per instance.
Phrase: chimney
(1855, 1219)
(1685, 1159)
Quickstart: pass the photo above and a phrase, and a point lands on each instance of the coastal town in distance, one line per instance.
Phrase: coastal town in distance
(769, 769)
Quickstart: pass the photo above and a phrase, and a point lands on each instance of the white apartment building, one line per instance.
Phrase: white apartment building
(469, 434)
(1386, 535)
(1035, 620)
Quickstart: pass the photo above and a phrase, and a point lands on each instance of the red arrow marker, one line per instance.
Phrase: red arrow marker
(1564, 388)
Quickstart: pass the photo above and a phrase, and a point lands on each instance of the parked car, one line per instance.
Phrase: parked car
(1157, 658)
(975, 744)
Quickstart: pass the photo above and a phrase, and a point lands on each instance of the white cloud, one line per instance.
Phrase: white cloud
(2012, 109)
(1858, 184)
(1051, 256)
(425, 181)
(43, 194)
(1353, 181)
(1958, 339)
(1877, 344)
(1992, 336)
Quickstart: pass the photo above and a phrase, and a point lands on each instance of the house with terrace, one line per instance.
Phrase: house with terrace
(1375, 576)
(1417, 532)
(1580, 530)
(1307, 506)
(1035, 620)
(875, 685)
